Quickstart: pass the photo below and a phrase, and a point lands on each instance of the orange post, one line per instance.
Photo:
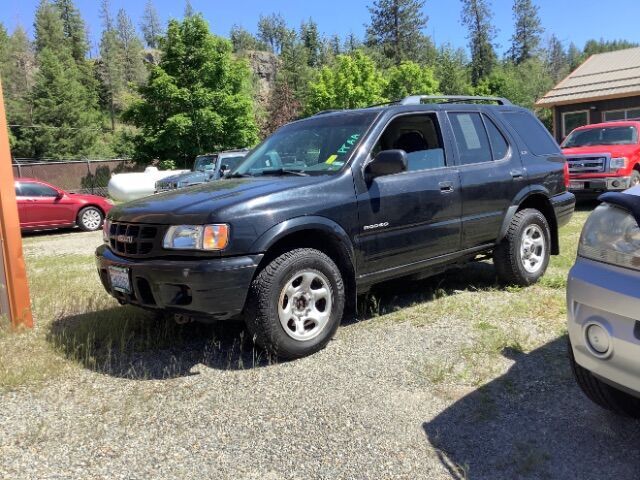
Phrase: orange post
(17, 287)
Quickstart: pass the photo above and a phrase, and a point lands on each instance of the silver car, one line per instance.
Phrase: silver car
(603, 305)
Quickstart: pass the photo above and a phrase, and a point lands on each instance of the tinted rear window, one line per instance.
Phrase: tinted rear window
(533, 133)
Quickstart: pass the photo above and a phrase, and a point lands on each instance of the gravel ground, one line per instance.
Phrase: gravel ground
(359, 409)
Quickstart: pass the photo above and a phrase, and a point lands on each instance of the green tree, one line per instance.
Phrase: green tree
(452, 72)
(74, 29)
(243, 40)
(132, 54)
(151, 25)
(352, 82)
(110, 68)
(574, 56)
(528, 28)
(556, 59)
(396, 29)
(17, 65)
(197, 99)
(64, 110)
(273, 31)
(477, 17)
(310, 38)
(409, 78)
(352, 43)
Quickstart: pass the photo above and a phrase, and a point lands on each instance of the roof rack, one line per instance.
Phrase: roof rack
(325, 112)
(418, 99)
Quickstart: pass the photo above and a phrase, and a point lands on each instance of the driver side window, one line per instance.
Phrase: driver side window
(419, 136)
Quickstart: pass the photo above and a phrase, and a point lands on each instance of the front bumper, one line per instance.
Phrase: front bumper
(211, 288)
(596, 185)
(608, 296)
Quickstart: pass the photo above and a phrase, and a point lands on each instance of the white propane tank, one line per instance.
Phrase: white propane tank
(125, 187)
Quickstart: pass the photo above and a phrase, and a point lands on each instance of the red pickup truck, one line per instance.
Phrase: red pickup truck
(603, 157)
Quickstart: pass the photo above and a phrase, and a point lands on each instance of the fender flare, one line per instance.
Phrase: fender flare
(297, 224)
(521, 197)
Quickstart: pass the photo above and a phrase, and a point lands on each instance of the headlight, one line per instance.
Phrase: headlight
(106, 227)
(611, 235)
(618, 163)
(197, 237)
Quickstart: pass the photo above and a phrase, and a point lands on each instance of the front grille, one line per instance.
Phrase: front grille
(579, 164)
(130, 239)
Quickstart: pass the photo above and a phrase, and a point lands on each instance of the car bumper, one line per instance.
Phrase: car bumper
(591, 186)
(608, 296)
(213, 288)
(563, 206)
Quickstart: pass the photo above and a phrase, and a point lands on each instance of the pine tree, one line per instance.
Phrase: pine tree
(556, 59)
(452, 72)
(64, 109)
(311, 40)
(352, 43)
(134, 69)
(273, 31)
(197, 99)
(151, 26)
(110, 67)
(528, 28)
(574, 56)
(188, 9)
(74, 29)
(396, 29)
(242, 40)
(477, 17)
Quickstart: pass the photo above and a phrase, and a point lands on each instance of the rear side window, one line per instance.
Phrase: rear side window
(471, 138)
(533, 133)
(36, 190)
(499, 145)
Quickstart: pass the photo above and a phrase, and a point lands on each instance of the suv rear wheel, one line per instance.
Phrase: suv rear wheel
(295, 303)
(523, 255)
(602, 394)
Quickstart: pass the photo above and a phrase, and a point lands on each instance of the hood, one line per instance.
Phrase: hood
(189, 177)
(614, 150)
(203, 203)
(87, 197)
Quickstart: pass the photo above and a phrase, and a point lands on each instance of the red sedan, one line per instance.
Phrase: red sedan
(42, 206)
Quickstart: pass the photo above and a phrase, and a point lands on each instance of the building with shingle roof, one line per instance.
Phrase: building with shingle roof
(606, 87)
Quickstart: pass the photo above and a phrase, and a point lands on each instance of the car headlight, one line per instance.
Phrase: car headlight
(618, 163)
(197, 237)
(106, 228)
(611, 235)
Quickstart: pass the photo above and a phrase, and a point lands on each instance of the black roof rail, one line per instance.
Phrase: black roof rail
(418, 99)
(325, 112)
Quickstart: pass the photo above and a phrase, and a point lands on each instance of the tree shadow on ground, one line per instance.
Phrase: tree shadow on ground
(534, 422)
(130, 343)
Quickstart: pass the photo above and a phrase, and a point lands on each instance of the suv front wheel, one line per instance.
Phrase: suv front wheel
(523, 255)
(295, 303)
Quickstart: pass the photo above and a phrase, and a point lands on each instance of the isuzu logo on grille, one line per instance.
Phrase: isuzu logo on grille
(125, 239)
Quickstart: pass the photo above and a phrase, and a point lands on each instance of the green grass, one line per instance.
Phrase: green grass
(77, 325)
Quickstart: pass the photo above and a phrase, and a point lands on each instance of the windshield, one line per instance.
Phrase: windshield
(602, 136)
(231, 162)
(204, 161)
(320, 145)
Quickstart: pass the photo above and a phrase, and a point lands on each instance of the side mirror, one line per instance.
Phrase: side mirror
(60, 195)
(386, 162)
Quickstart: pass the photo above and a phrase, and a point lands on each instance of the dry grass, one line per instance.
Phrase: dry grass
(79, 325)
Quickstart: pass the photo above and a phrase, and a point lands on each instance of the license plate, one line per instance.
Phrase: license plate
(120, 279)
(576, 185)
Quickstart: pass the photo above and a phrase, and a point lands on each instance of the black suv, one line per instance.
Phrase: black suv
(332, 204)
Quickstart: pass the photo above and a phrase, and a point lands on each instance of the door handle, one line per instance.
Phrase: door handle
(446, 187)
(517, 174)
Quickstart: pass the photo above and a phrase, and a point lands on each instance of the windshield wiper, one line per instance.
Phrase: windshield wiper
(282, 171)
(238, 175)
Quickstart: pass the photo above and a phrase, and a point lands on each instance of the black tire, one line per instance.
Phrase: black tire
(507, 256)
(90, 219)
(263, 303)
(602, 394)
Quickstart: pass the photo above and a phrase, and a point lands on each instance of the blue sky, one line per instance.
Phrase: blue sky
(570, 20)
